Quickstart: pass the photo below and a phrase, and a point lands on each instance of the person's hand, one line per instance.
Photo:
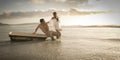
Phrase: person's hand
(47, 22)
(33, 33)
(60, 29)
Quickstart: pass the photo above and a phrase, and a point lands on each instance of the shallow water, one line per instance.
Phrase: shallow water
(76, 44)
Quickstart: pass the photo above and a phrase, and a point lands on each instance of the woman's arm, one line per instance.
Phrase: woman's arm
(49, 21)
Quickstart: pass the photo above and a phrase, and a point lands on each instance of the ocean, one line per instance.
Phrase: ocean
(76, 43)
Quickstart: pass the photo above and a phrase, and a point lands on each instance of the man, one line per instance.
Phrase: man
(44, 27)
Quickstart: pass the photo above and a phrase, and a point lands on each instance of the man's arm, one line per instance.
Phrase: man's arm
(48, 22)
(36, 29)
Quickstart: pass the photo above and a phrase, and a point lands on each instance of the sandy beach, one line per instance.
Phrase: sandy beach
(75, 44)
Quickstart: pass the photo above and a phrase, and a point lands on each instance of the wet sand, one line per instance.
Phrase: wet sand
(75, 44)
(82, 49)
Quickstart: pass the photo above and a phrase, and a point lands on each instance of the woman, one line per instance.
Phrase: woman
(55, 22)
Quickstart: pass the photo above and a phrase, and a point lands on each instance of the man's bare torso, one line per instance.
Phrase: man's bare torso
(44, 27)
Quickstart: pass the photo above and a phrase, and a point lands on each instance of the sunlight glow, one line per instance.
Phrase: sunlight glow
(84, 20)
(69, 20)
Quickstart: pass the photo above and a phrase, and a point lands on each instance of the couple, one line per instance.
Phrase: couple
(44, 27)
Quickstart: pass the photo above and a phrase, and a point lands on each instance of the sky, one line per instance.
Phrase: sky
(34, 5)
(15, 10)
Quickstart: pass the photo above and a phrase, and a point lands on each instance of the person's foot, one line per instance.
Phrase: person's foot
(57, 37)
(52, 38)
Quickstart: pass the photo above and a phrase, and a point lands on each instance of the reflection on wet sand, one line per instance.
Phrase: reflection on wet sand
(75, 44)
(31, 50)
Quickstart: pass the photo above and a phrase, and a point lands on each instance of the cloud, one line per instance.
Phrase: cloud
(14, 15)
(104, 4)
(75, 3)
(46, 1)
(69, 2)
(59, 0)
(38, 1)
(20, 14)
(38, 14)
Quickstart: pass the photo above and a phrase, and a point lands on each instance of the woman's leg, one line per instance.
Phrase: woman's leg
(58, 32)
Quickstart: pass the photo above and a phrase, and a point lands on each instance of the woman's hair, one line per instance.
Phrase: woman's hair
(54, 13)
(55, 16)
